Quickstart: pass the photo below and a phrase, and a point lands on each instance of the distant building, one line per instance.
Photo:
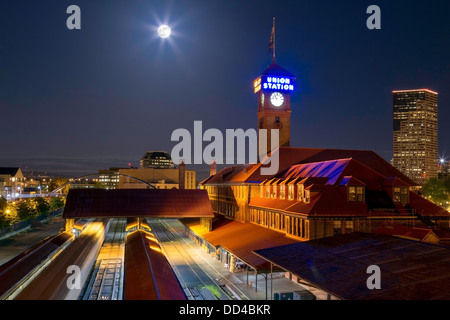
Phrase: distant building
(11, 182)
(157, 159)
(109, 179)
(132, 178)
(178, 178)
(416, 133)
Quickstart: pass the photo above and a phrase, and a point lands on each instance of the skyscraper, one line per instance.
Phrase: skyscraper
(157, 159)
(416, 133)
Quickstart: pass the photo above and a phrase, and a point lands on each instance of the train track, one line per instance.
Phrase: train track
(196, 283)
(106, 280)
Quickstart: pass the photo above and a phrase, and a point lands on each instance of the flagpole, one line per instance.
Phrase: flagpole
(273, 39)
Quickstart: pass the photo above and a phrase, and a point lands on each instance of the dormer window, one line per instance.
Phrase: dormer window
(300, 191)
(355, 194)
(267, 191)
(291, 192)
(274, 192)
(400, 194)
(396, 194)
(307, 196)
(282, 191)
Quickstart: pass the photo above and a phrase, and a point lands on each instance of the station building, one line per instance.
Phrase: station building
(316, 192)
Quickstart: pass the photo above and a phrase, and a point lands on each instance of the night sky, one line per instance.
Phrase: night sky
(75, 101)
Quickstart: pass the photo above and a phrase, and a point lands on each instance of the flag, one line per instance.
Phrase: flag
(272, 40)
(272, 37)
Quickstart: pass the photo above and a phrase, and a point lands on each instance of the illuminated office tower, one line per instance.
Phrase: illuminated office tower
(416, 133)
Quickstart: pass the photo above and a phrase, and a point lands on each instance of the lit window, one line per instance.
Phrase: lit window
(300, 190)
(282, 191)
(348, 226)
(307, 196)
(355, 194)
(291, 192)
(396, 194)
(337, 227)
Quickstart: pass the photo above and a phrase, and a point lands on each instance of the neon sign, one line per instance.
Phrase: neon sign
(277, 83)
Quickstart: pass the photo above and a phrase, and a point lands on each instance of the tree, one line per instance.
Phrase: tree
(437, 190)
(58, 182)
(3, 204)
(56, 203)
(10, 214)
(32, 207)
(42, 205)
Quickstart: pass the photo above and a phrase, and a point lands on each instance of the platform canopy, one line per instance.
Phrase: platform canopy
(145, 203)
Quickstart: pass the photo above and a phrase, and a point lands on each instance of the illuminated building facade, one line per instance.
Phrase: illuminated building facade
(122, 178)
(416, 133)
(11, 182)
(319, 193)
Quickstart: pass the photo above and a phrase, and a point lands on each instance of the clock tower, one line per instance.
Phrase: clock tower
(273, 89)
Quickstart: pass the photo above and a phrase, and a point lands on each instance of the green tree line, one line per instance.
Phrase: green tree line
(25, 209)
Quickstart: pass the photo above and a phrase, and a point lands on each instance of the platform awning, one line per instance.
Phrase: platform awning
(241, 239)
(145, 203)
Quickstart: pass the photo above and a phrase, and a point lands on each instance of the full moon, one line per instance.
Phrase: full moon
(164, 31)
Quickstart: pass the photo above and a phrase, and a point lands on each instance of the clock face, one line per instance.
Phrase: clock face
(277, 99)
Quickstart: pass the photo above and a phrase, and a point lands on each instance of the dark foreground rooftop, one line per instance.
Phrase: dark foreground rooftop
(410, 270)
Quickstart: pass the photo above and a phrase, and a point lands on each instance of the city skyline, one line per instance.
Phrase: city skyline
(101, 96)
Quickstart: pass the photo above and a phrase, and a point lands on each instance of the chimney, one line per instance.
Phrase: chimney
(213, 168)
(181, 173)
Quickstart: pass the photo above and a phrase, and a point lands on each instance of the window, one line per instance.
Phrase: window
(277, 119)
(404, 195)
(396, 194)
(291, 192)
(267, 191)
(300, 189)
(355, 194)
(337, 227)
(261, 191)
(282, 191)
(351, 194)
(348, 226)
(360, 194)
(274, 192)
(307, 196)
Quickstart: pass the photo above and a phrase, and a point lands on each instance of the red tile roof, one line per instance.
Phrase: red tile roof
(405, 231)
(291, 156)
(241, 239)
(424, 207)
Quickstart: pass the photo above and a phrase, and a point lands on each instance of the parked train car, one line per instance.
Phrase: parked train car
(16, 273)
(64, 277)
